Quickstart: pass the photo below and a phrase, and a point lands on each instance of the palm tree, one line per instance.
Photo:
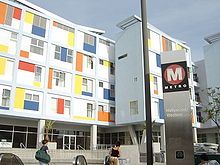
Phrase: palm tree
(48, 127)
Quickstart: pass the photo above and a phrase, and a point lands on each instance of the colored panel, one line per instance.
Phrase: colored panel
(24, 54)
(78, 84)
(26, 66)
(31, 105)
(79, 62)
(71, 39)
(50, 77)
(29, 18)
(55, 23)
(19, 98)
(151, 78)
(82, 118)
(149, 43)
(60, 106)
(104, 116)
(3, 8)
(107, 95)
(161, 107)
(106, 63)
(2, 65)
(38, 31)
(4, 108)
(178, 47)
(86, 94)
(156, 92)
(3, 48)
(89, 48)
(164, 44)
(37, 84)
(158, 60)
(63, 54)
(17, 13)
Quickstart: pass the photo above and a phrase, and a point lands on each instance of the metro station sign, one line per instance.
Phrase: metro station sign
(175, 77)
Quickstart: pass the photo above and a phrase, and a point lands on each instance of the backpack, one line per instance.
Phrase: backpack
(42, 156)
(107, 160)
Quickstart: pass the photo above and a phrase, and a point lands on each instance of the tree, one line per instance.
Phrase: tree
(212, 109)
(48, 127)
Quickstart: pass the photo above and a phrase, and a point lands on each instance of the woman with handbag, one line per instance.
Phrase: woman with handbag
(42, 154)
(115, 154)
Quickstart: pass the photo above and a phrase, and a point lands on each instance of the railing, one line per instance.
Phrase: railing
(22, 146)
(103, 146)
(80, 147)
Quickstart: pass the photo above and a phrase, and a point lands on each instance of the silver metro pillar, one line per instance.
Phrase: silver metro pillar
(93, 137)
(40, 132)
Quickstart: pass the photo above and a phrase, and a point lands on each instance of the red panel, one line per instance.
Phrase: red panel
(60, 106)
(26, 66)
(17, 13)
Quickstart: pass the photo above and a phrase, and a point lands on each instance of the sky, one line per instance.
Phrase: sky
(186, 20)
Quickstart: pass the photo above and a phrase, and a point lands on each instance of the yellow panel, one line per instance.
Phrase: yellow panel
(82, 118)
(70, 39)
(2, 65)
(29, 18)
(19, 98)
(178, 47)
(106, 63)
(4, 48)
(37, 84)
(78, 85)
(149, 43)
(151, 78)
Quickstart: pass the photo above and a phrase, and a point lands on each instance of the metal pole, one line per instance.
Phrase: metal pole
(147, 83)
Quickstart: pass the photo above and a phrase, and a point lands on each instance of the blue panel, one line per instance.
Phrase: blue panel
(107, 95)
(161, 107)
(86, 94)
(38, 31)
(4, 108)
(63, 54)
(90, 48)
(31, 105)
(158, 60)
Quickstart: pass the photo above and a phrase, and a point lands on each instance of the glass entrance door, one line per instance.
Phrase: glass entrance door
(69, 142)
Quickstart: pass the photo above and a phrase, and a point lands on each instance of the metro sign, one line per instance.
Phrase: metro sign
(175, 77)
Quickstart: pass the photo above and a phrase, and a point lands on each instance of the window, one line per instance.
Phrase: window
(101, 108)
(101, 62)
(53, 104)
(32, 97)
(64, 27)
(156, 111)
(155, 85)
(112, 91)
(89, 110)
(112, 113)
(87, 85)
(112, 68)
(57, 53)
(14, 36)
(59, 78)
(134, 107)
(38, 71)
(89, 39)
(156, 137)
(69, 55)
(107, 43)
(67, 106)
(37, 46)
(101, 84)
(40, 21)
(89, 62)
(6, 97)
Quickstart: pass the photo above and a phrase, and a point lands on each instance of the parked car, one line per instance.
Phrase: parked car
(10, 159)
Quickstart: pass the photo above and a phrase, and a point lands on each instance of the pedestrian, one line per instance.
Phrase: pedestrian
(45, 149)
(115, 154)
(206, 161)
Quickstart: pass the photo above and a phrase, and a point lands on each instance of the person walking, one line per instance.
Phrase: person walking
(45, 149)
(115, 154)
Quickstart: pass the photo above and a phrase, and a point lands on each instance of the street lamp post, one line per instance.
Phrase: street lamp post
(147, 83)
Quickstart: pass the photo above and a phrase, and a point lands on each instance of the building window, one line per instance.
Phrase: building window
(156, 112)
(133, 107)
(89, 62)
(101, 108)
(37, 46)
(112, 113)
(31, 97)
(59, 78)
(112, 68)
(87, 85)
(40, 21)
(112, 91)
(202, 138)
(64, 27)
(69, 55)
(67, 106)
(101, 62)
(156, 137)
(14, 36)
(89, 110)
(155, 85)
(6, 97)
(107, 43)
(89, 39)
(101, 84)
(37, 75)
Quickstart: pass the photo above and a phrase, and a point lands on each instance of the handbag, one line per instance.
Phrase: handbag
(42, 156)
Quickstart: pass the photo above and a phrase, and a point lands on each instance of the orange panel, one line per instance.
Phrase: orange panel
(156, 92)
(79, 62)
(24, 54)
(3, 8)
(164, 44)
(55, 23)
(60, 106)
(104, 116)
(50, 77)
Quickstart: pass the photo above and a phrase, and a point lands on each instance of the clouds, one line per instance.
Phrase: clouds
(187, 20)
